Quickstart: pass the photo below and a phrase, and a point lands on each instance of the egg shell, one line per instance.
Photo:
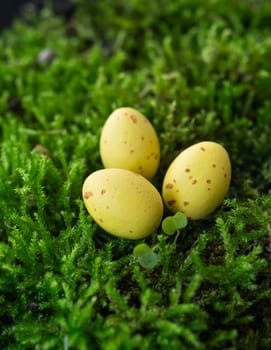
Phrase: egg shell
(197, 180)
(129, 141)
(123, 203)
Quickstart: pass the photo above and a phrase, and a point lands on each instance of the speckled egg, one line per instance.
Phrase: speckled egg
(197, 180)
(129, 141)
(123, 203)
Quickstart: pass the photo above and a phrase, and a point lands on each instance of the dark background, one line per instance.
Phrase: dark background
(9, 10)
(14, 8)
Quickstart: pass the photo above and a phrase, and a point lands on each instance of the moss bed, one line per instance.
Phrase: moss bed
(199, 70)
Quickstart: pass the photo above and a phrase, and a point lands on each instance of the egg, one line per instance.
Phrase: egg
(123, 203)
(197, 180)
(129, 141)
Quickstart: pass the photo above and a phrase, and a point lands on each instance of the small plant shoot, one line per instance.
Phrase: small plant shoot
(172, 224)
(146, 257)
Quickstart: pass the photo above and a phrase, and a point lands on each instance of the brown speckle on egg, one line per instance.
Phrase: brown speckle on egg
(169, 186)
(185, 203)
(171, 202)
(194, 182)
(203, 149)
(87, 195)
(214, 165)
(133, 118)
(103, 191)
(187, 170)
(131, 151)
(208, 181)
(101, 220)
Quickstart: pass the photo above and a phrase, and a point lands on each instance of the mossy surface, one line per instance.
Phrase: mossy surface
(199, 70)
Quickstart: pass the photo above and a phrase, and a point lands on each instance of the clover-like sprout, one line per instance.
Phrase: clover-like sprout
(173, 224)
(146, 257)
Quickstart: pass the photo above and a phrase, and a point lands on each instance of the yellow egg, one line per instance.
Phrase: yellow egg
(129, 141)
(123, 203)
(197, 180)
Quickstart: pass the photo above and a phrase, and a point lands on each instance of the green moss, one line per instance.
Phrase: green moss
(199, 71)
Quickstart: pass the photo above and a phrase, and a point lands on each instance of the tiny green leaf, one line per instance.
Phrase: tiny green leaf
(180, 220)
(149, 260)
(146, 257)
(169, 225)
(141, 249)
